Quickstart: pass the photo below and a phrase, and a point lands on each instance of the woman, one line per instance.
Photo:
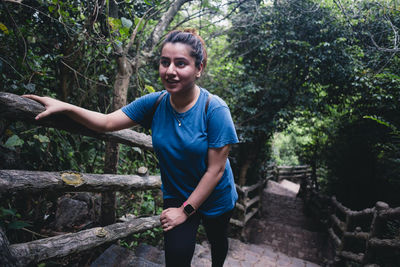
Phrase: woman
(191, 135)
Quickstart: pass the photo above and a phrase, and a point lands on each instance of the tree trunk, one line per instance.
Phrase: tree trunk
(249, 153)
(243, 171)
(160, 28)
(112, 149)
(121, 84)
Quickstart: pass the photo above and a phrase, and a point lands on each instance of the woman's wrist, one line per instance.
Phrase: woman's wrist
(188, 209)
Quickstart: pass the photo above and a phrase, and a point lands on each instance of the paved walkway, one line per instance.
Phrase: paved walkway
(281, 237)
(249, 255)
(284, 227)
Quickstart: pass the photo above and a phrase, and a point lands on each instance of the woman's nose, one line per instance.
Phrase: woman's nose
(171, 69)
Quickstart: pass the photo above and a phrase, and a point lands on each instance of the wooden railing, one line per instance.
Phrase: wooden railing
(367, 237)
(13, 107)
(249, 202)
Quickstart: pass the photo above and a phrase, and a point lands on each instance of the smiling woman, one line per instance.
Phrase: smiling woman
(191, 134)
(178, 74)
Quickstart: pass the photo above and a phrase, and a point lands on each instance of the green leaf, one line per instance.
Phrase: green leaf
(124, 33)
(148, 3)
(103, 78)
(18, 225)
(114, 23)
(149, 88)
(42, 138)
(137, 21)
(137, 149)
(30, 87)
(14, 141)
(126, 23)
(6, 212)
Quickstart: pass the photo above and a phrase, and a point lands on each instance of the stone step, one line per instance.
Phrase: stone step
(248, 255)
(290, 240)
(239, 255)
(283, 226)
(285, 208)
(118, 256)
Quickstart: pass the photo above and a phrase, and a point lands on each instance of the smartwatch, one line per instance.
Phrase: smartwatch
(188, 209)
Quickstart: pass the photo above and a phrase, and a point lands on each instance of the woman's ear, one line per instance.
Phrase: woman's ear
(200, 70)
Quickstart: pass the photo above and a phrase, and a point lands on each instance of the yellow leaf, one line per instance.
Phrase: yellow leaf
(72, 178)
(4, 28)
(149, 88)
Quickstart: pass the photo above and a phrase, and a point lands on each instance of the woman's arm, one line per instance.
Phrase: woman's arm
(96, 121)
(216, 166)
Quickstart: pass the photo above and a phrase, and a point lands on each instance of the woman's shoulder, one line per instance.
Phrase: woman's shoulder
(215, 101)
(150, 98)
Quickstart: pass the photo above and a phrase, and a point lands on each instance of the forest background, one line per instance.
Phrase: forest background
(308, 82)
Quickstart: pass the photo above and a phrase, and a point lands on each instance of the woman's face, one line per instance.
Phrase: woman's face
(177, 68)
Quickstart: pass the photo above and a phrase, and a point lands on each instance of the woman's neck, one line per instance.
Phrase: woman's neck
(182, 103)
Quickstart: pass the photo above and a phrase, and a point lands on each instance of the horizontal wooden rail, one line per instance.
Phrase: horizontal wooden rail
(357, 235)
(395, 212)
(15, 107)
(247, 189)
(20, 181)
(293, 167)
(288, 172)
(376, 242)
(63, 245)
(352, 256)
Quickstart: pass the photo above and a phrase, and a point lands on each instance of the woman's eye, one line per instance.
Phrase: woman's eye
(180, 64)
(164, 63)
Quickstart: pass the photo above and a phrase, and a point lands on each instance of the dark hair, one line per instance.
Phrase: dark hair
(191, 38)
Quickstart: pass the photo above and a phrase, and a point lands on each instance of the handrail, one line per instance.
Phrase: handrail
(63, 245)
(18, 181)
(15, 107)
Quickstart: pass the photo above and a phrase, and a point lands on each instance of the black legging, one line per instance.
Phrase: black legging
(179, 242)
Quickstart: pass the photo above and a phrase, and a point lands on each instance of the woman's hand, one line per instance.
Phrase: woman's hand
(172, 217)
(52, 105)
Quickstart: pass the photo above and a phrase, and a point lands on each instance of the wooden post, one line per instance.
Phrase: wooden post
(6, 259)
(375, 230)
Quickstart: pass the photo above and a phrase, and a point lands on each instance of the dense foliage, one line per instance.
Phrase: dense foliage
(330, 65)
(325, 74)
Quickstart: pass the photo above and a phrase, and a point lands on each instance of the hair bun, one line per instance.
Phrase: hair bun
(190, 37)
(191, 30)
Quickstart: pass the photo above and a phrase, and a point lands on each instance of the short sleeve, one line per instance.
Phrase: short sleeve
(221, 130)
(141, 109)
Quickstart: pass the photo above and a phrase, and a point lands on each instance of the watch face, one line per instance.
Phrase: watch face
(188, 209)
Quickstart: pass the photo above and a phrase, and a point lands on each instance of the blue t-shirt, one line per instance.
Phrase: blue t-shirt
(182, 150)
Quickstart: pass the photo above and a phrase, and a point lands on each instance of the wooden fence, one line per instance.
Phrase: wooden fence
(13, 107)
(370, 237)
(249, 202)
